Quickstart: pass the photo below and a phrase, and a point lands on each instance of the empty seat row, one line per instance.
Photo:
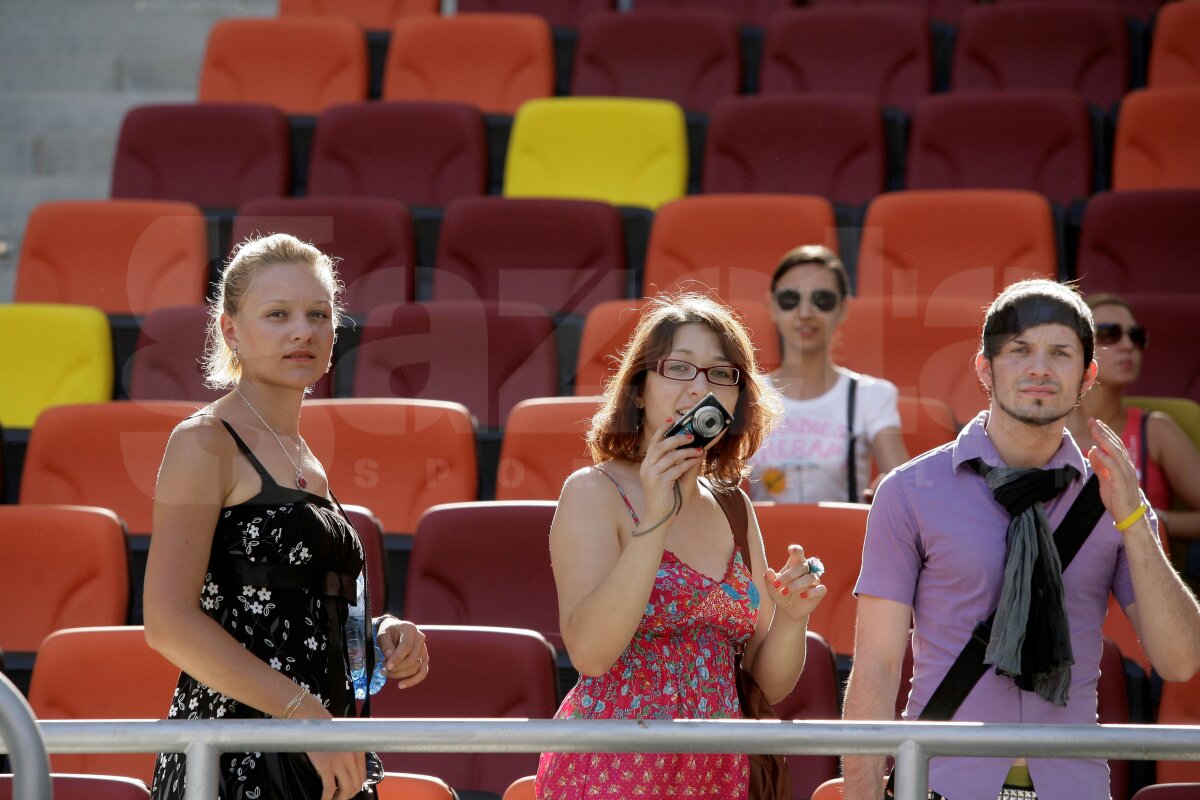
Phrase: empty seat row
(691, 55)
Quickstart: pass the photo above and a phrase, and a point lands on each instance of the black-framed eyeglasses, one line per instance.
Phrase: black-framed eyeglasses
(822, 299)
(677, 370)
(1109, 333)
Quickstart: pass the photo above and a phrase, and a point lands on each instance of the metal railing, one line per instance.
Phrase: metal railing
(913, 743)
(20, 738)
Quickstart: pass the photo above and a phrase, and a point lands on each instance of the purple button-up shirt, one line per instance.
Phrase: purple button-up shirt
(936, 542)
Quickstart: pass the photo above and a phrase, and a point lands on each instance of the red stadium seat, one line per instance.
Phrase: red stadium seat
(688, 56)
(560, 13)
(1070, 46)
(1140, 242)
(1169, 791)
(830, 145)
(881, 51)
(216, 155)
(966, 140)
(1113, 708)
(370, 532)
(417, 153)
(814, 697)
(564, 255)
(86, 787)
(1157, 131)
(1173, 368)
(746, 12)
(1175, 52)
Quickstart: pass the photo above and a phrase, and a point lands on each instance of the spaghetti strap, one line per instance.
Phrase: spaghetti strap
(249, 454)
(628, 505)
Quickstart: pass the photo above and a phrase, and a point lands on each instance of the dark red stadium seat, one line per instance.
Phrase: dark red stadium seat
(1169, 791)
(882, 51)
(86, 787)
(831, 145)
(564, 255)
(560, 13)
(943, 11)
(1140, 241)
(216, 155)
(1070, 46)
(371, 237)
(167, 363)
(370, 532)
(1173, 368)
(690, 57)
(475, 672)
(465, 561)
(986, 140)
(814, 697)
(487, 356)
(1113, 708)
(417, 153)
(747, 12)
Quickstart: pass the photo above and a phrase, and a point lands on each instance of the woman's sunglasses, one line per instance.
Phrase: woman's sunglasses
(822, 299)
(1109, 333)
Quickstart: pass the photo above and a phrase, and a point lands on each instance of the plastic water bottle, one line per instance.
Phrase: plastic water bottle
(357, 650)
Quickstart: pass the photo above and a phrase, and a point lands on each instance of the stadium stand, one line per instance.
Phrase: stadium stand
(1143, 241)
(1157, 131)
(1179, 705)
(544, 442)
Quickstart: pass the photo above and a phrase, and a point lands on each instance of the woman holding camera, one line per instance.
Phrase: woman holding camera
(835, 420)
(656, 602)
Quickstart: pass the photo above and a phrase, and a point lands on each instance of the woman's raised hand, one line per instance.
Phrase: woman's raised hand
(796, 589)
(666, 461)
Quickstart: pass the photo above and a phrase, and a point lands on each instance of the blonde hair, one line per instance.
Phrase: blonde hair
(222, 370)
(617, 428)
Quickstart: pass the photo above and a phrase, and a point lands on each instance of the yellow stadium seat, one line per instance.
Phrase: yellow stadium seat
(1183, 410)
(53, 354)
(624, 151)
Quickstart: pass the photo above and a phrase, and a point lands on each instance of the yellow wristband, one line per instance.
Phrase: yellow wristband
(1137, 514)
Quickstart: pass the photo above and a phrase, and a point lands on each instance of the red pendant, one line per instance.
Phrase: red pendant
(303, 484)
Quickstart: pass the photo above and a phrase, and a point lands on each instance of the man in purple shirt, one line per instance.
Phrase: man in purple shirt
(938, 548)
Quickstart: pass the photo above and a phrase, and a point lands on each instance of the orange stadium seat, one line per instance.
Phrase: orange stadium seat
(104, 454)
(1076, 47)
(965, 140)
(959, 242)
(774, 143)
(564, 255)
(299, 64)
(370, 532)
(1175, 51)
(560, 13)
(477, 672)
(1140, 242)
(1157, 131)
(746, 12)
(216, 155)
(374, 15)
(687, 55)
(89, 588)
(925, 423)
(396, 457)
(829, 790)
(834, 532)
(485, 563)
(371, 238)
(486, 355)
(1180, 705)
(883, 51)
(408, 786)
(494, 62)
(86, 787)
(608, 327)
(102, 673)
(732, 243)
(122, 256)
(418, 153)
(545, 440)
(926, 346)
(815, 696)
(520, 789)
(1119, 630)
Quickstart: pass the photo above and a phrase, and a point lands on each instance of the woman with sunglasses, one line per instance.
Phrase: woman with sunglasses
(835, 420)
(658, 606)
(1167, 463)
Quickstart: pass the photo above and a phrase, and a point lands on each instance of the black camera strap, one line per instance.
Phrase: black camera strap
(851, 444)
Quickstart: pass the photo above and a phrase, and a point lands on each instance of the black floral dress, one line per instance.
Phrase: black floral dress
(280, 574)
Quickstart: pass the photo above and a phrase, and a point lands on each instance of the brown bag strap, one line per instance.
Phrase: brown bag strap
(734, 506)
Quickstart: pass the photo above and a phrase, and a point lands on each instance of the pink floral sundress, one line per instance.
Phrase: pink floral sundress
(680, 665)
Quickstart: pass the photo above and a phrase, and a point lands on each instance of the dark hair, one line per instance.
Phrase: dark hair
(1038, 301)
(818, 255)
(616, 430)
(1099, 299)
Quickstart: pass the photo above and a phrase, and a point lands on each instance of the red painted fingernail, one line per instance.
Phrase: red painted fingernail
(804, 595)
(785, 591)
(778, 584)
(670, 419)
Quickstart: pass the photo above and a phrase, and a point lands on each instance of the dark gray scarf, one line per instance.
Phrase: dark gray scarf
(1031, 640)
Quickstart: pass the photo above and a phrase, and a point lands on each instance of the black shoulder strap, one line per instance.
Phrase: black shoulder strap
(851, 445)
(968, 668)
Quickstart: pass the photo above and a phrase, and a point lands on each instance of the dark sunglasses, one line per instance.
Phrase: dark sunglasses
(1109, 333)
(822, 299)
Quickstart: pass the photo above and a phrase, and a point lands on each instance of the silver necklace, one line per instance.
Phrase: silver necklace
(300, 481)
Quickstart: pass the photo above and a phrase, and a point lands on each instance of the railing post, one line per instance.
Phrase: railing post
(201, 774)
(18, 729)
(912, 772)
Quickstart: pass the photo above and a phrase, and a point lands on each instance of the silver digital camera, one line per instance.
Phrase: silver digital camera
(704, 421)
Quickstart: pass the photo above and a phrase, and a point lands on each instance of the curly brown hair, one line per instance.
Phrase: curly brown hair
(616, 429)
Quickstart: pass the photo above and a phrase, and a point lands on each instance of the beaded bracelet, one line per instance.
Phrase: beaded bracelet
(1138, 513)
(294, 705)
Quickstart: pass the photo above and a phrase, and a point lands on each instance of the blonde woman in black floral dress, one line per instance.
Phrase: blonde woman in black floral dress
(252, 565)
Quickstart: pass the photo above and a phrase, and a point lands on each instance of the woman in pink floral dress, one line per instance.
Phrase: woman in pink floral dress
(655, 600)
